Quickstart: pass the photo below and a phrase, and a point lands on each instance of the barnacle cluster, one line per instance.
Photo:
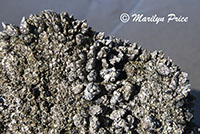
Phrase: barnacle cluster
(57, 75)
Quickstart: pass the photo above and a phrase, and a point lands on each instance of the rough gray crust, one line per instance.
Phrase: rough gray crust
(57, 75)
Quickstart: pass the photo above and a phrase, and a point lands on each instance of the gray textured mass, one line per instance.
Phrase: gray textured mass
(57, 75)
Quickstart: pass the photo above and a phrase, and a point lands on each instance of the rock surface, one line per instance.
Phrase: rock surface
(57, 75)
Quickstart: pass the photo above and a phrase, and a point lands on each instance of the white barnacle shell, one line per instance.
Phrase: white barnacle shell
(115, 98)
(77, 89)
(110, 74)
(79, 38)
(91, 64)
(94, 124)
(117, 114)
(116, 58)
(24, 26)
(10, 29)
(91, 91)
(103, 52)
(92, 76)
(127, 91)
(163, 69)
(95, 110)
(79, 121)
(100, 35)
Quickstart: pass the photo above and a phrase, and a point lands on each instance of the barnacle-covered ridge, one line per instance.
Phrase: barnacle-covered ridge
(57, 75)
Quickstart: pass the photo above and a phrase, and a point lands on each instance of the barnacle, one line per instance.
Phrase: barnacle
(57, 75)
